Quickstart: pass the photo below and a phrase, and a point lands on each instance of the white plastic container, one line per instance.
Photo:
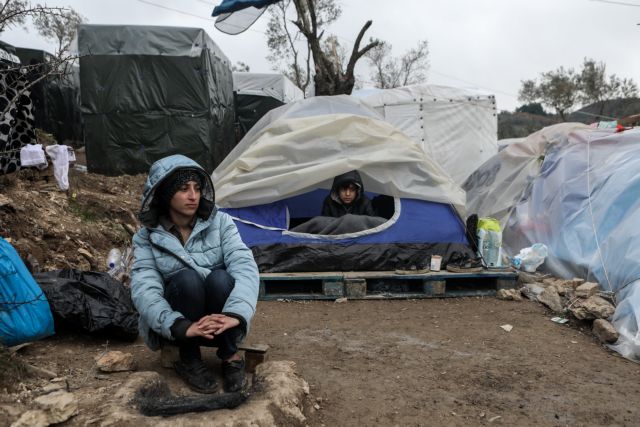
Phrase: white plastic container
(114, 257)
(489, 243)
(436, 262)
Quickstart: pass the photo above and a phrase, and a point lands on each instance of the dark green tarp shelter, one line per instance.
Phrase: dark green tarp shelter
(148, 92)
(258, 93)
(56, 99)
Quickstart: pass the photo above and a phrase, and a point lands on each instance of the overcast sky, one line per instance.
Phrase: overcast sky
(490, 45)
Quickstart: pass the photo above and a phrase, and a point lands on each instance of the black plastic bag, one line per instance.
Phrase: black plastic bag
(91, 302)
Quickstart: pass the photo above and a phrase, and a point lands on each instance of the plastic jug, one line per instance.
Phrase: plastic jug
(489, 241)
(114, 257)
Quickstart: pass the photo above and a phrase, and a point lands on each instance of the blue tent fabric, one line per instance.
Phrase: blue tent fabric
(228, 6)
(24, 310)
(419, 229)
(442, 225)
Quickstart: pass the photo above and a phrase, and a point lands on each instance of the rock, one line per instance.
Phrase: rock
(550, 281)
(587, 289)
(59, 406)
(573, 283)
(605, 331)
(594, 307)
(599, 307)
(509, 294)
(116, 361)
(341, 300)
(32, 418)
(524, 278)
(551, 299)
(532, 290)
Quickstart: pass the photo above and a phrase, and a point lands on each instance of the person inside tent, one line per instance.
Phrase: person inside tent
(194, 282)
(347, 197)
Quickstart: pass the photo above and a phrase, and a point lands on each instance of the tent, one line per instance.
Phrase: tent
(148, 92)
(573, 188)
(457, 128)
(56, 99)
(278, 175)
(257, 93)
(17, 124)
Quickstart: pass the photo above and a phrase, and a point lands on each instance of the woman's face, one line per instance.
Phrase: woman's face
(186, 200)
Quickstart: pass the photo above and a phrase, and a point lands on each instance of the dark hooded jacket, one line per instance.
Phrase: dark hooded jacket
(334, 207)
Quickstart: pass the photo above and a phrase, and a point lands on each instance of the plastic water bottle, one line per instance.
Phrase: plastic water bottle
(113, 259)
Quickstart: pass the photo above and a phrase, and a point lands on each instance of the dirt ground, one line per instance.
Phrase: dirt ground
(404, 362)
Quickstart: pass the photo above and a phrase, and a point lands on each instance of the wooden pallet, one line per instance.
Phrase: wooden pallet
(382, 285)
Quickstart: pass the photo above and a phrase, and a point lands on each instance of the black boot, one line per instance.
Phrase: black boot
(197, 376)
(233, 375)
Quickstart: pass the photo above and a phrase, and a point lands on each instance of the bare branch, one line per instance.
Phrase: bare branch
(355, 53)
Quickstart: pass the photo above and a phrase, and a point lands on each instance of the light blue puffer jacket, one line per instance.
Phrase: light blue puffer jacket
(213, 243)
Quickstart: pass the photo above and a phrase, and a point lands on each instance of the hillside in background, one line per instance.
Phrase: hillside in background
(520, 124)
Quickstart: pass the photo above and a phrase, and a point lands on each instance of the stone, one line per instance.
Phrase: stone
(532, 290)
(277, 401)
(573, 283)
(599, 307)
(551, 299)
(524, 278)
(59, 406)
(580, 312)
(587, 289)
(116, 361)
(550, 281)
(605, 331)
(32, 418)
(509, 294)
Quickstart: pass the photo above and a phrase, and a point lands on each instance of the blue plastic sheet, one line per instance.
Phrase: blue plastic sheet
(24, 311)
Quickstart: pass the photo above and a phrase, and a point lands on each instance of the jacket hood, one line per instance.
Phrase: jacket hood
(160, 170)
(351, 177)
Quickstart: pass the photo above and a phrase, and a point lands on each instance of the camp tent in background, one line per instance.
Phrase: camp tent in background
(17, 125)
(279, 174)
(575, 189)
(56, 99)
(148, 92)
(258, 93)
(458, 128)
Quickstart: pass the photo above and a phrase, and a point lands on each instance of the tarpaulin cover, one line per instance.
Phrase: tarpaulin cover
(148, 92)
(456, 127)
(90, 302)
(303, 145)
(56, 99)
(258, 93)
(583, 204)
(271, 85)
(24, 311)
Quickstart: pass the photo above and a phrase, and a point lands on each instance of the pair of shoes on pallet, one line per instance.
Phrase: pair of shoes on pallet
(201, 379)
(463, 263)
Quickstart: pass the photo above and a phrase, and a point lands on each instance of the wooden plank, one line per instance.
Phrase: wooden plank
(336, 275)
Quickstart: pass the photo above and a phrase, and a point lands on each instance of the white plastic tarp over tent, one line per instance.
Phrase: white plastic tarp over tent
(575, 189)
(303, 145)
(456, 127)
(275, 86)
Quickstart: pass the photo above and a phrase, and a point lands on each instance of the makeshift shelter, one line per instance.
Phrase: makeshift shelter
(573, 188)
(257, 93)
(457, 128)
(56, 99)
(17, 124)
(148, 92)
(278, 175)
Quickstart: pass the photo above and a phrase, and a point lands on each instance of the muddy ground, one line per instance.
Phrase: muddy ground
(405, 362)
